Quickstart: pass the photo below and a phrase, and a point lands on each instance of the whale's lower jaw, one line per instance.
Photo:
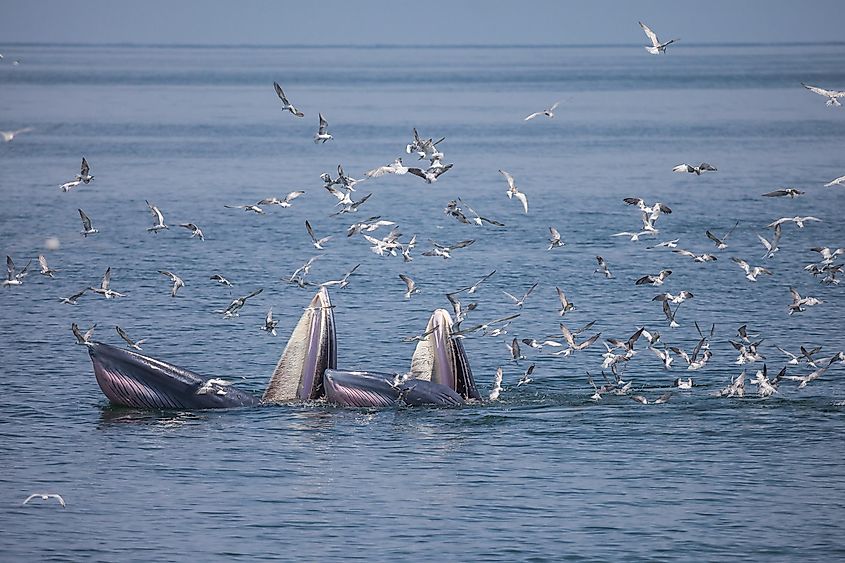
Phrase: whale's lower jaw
(133, 380)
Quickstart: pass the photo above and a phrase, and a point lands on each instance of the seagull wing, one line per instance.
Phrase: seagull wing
(533, 115)
(650, 34)
(523, 198)
(86, 221)
(509, 178)
(310, 231)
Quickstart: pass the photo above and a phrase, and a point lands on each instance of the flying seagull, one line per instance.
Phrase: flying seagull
(323, 134)
(513, 191)
(269, 323)
(602, 269)
(782, 192)
(221, 280)
(318, 243)
(84, 175)
(656, 46)
(177, 281)
(104, 288)
(281, 202)
(554, 239)
(13, 277)
(159, 218)
(550, 112)
(195, 231)
(73, 298)
(83, 339)
(520, 301)
(751, 273)
(720, 242)
(831, 95)
(45, 269)
(136, 344)
(286, 105)
(697, 170)
(431, 174)
(237, 304)
(46, 496)
(654, 280)
(87, 229)
(410, 284)
(9, 136)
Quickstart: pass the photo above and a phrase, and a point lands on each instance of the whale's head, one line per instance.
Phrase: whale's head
(311, 349)
(440, 357)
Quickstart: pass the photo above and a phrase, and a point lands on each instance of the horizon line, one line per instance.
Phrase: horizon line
(130, 44)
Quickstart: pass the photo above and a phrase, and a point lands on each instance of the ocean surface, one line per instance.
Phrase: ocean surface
(544, 473)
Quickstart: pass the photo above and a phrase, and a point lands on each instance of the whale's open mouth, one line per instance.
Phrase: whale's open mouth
(440, 375)
(311, 349)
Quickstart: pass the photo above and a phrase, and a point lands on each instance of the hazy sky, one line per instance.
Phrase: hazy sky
(419, 23)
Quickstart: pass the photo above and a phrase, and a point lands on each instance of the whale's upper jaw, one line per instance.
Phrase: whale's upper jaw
(311, 349)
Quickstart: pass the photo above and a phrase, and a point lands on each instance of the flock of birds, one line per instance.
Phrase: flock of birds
(618, 352)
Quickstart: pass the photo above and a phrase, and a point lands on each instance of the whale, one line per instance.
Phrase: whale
(306, 371)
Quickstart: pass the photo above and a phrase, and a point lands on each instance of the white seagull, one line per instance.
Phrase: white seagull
(177, 281)
(87, 229)
(9, 136)
(831, 95)
(656, 46)
(323, 134)
(286, 105)
(513, 191)
(550, 112)
(158, 216)
(46, 496)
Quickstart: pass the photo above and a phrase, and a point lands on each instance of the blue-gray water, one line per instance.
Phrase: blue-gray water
(544, 473)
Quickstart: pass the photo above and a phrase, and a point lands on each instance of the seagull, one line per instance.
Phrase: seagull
(803, 380)
(9, 136)
(282, 202)
(221, 280)
(396, 168)
(254, 208)
(497, 385)
(764, 386)
(286, 105)
(697, 170)
(670, 315)
(104, 289)
(519, 301)
(342, 197)
(782, 192)
(304, 269)
(132, 343)
(386, 245)
(425, 148)
(159, 218)
(46, 496)
(67, 186)
(554, 239)
(654, 280)
(513, 191)
(84, 172)
(799, 221)
(635, 237)
(526, 377)
(569, 336)
(446, 251)
(596, 396)
(478, 219)
(828, 254)
(513, 347)
(342, 282)
(87, 229)
(656, 46)
(602, 269)
(270, 324)
(550, 112)
(368, 225)
(430, 175)
(695, 257)
(237, 304)
(318, 243)
(798, 302)
(177, 281)
(323, 134)
(736, 388)
(683, 383)
(747, 354)
(353, 206)
(674, 299)
(474, 287)
(45, 269)
(460, 311)
(831, 95)
(195, 231)
(485, 327)
(666, 244)
(655, 209)
(771, 246)
(664, 355)
(836, 182)
(13, 278)
(406, 250)
(664, 398)
(73, 298)
(720, 242)
(565, 304)
(83, 339)
(751, 273)
(347, 182)
(410, 284)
